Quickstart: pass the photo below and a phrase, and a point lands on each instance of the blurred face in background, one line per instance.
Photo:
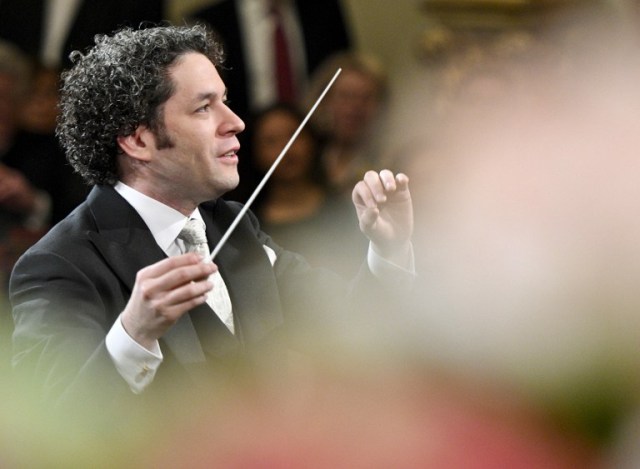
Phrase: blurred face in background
(41, 106)
(353, 104)
(272, 132)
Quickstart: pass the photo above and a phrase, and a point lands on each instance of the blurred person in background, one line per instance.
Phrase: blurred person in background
(293, 194)
(36, 137)
(295, 208)
(25, 206)
(48, 30)
(37, 186)
(39, 112)
(348, 120)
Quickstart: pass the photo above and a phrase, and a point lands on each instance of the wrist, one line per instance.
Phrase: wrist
(135, 333)
(396, 253)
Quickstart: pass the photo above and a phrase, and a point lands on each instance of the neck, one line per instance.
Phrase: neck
(175, 201)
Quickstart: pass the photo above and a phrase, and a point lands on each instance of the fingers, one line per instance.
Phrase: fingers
(163, 292)
(394, 183)
(402, 182)
(369, 192)
(187, 296)
(176, 279)
(375, 188)
(175, 262)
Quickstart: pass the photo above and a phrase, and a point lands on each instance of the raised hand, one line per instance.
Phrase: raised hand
(385, 211)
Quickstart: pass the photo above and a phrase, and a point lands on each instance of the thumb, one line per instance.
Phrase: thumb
(368, 218)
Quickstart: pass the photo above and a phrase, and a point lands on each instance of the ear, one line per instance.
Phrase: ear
(139, 145)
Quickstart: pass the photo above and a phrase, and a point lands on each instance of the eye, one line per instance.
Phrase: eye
(204, 108)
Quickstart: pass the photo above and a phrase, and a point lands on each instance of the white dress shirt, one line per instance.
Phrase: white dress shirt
(136, 364)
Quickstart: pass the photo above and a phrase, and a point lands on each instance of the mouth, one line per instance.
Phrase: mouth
(230, 156)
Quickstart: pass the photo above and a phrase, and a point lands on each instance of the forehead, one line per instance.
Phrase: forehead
(358, 80)
(278, 117)
(195, 73)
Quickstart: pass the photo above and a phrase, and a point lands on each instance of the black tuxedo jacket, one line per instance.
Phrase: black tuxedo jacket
(324, 31)
(21, 22)
(70, 287)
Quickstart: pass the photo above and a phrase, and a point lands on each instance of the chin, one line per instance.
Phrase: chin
(226, 186)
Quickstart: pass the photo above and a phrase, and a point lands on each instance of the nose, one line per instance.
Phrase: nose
(232, 123)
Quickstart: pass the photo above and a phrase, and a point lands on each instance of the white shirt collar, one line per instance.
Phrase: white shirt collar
(164, 222)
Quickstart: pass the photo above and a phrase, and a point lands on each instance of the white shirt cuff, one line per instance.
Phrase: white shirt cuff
(136, 364)
(397, 276)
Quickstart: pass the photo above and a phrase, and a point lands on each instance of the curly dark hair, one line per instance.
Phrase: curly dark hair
(120, 83)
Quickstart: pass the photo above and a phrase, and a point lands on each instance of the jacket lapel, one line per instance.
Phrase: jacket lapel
(247, 272)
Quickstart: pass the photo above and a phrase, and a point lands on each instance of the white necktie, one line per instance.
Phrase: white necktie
(195, 240)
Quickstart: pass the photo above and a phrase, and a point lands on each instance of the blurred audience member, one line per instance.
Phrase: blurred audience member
(48, 30)
(294, 207)
(39, 111)
(37, 186)
(37, 138)
(293, 193)
(19, 200)
(349, 117)
(24, 208)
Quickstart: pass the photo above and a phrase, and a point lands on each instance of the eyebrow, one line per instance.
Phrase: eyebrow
(207, 95)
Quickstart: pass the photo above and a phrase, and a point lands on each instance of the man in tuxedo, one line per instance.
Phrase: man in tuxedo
(113, 298)
(48, 30)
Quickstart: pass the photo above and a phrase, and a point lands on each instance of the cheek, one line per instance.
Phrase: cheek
(198, 145)
(304, 149)
(370, 108)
